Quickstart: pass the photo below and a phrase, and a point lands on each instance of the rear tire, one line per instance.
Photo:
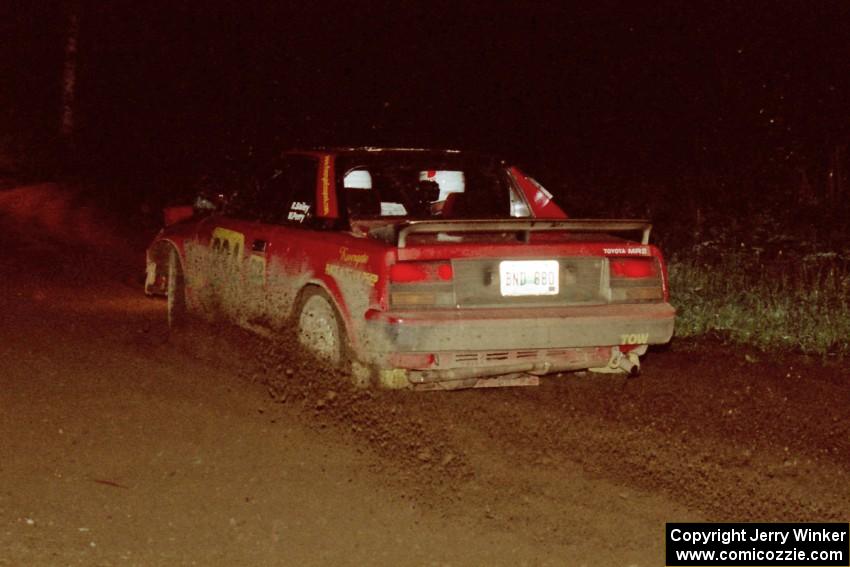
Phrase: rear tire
(319, 327)
(176, 292)
(321, 331)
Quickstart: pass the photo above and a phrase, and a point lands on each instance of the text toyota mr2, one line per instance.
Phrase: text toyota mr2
(417, 268)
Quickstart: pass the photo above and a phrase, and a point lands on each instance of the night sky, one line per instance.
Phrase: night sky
(637, 89)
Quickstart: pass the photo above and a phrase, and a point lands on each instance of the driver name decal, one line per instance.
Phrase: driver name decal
(298, 211)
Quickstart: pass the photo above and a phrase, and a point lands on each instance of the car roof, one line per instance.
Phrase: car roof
(381, 149)
(375, 151)
(371, 152)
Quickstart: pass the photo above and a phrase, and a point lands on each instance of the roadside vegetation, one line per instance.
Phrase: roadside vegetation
(763, 267)
(796, 301)
(777, 277)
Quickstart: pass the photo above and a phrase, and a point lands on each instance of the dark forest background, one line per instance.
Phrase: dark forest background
(692, 114)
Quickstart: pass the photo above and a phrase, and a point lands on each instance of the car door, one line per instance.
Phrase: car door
(220, 252)
(278, 263)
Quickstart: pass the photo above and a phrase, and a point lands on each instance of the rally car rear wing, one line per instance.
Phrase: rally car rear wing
(523, 227)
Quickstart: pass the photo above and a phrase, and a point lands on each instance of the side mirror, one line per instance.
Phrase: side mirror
(203, 204)
(207, 203)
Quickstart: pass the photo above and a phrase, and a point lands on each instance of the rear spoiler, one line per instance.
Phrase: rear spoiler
(523, 227)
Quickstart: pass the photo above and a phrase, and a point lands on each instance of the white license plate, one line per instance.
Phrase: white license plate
(528, 277)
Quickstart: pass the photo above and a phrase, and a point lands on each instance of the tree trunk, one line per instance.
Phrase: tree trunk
(69, 77)
(835, 177)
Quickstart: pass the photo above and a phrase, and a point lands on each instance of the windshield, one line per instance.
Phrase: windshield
(398, 185)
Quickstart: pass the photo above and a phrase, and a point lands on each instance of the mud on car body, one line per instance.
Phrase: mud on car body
(419, 268)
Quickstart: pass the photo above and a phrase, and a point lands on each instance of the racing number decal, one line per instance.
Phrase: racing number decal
(228, 244)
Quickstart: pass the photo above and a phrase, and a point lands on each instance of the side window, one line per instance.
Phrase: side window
(289, 196)
(519, 208)
(362, 199)
(301, 205)
(246, 201)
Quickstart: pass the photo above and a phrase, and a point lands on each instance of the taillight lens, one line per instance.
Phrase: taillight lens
(407, 273)
(445, 272)
(633, 267)
(635, 280)
(421, 285)
(411, 272)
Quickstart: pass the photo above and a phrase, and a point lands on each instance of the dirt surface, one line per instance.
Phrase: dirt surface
(124, 444)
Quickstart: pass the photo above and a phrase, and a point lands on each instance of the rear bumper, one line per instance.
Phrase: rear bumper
(517, 330)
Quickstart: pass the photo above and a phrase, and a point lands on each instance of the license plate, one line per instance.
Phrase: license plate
(528, 277)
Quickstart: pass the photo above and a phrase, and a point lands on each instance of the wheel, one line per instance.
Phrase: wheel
(319, 328)
(176, 292)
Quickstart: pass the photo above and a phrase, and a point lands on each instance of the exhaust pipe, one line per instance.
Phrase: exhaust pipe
(630, 364)
(619, 363)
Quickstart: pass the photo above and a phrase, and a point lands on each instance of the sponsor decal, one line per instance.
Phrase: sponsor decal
(632, 250)
(634, 339)
(327, 201)
(339, 271)
(351, 258)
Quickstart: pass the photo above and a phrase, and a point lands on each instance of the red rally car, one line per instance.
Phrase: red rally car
(417, 268)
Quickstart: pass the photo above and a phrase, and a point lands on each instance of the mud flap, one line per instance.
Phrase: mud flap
(153, 285)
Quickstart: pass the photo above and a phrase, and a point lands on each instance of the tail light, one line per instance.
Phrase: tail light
(422, 285)
(633, 267)
(412, 272)
(635, 280)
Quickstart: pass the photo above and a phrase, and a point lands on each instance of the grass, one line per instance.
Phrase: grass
(750, 260)
(792, 302)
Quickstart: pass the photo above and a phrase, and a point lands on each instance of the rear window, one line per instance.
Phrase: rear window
(424, 186)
